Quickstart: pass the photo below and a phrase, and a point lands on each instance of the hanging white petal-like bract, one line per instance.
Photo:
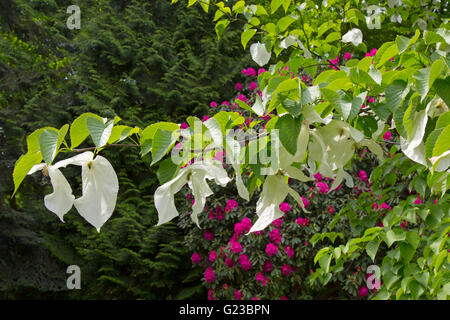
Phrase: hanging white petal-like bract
(61, 200)
(354, 36)
(260, 54)
(100, 188)
(196, 175)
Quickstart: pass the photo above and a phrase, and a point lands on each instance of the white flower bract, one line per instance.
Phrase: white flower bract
(99, 183)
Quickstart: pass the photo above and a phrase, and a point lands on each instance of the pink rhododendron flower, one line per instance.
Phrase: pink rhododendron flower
(213, 104)
(229, 262)
(211, 215)
(271, 249)
(211, 294)
(347, 56)
(242, 98)
(251, 72)
(246, 224)
(260, 278)
(238, 295)
(184, 125)
(363, 291)
(283, 298)
(331, 209)
(239, 86)
(285, 207)
(338, 187)
(225, 103)
(387, 135)
(375, 206)
(238, 229)
(289, 251)
(267, 267)
(209, 236)
(286, 270)
(244, 262)
(371, 100)
(384, 205)
(205, 118)
(435, 201)
(277, 223)
(209, 275)
(362, 175)
(253, 85)
(380, 224)
(403, 224)
(231, 204)
(305, 202)
(212, 256)
(196, 258)
(302, 222)
(318, 176)
(418, 200)
(323, 187)
(275, 236)
(236, 247)
(261, 70)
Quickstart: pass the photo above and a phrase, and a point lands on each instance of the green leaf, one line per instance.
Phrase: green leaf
(79, 130)
(431, 142)
(149, 132)
(395, 93)
(289, 129)
(413, 239)
(431, 37)
(162, 142)
(390, 52)
(246, 36)
(23, 166)
(443, 142)
(406, 251)
(99, 131)
(275, 4)
(120, 133)
(372, 248)
(444, 120)
(426, 77)
(356, 105)
(167, 171)
(325, 261)
(221, 26)
(292, 107)
(442, 87)
(284, 23)
(48, 142)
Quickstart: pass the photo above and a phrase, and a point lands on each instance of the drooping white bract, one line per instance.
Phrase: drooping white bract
(332, 146)
(61, 200)
(99, 183)
(354, 36)
(413, 147)
(195, 175)
(260, 54)
(275, 190)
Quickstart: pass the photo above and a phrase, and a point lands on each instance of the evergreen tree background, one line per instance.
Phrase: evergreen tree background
(144, 61)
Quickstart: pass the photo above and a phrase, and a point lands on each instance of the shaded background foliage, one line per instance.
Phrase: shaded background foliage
(144, 61)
